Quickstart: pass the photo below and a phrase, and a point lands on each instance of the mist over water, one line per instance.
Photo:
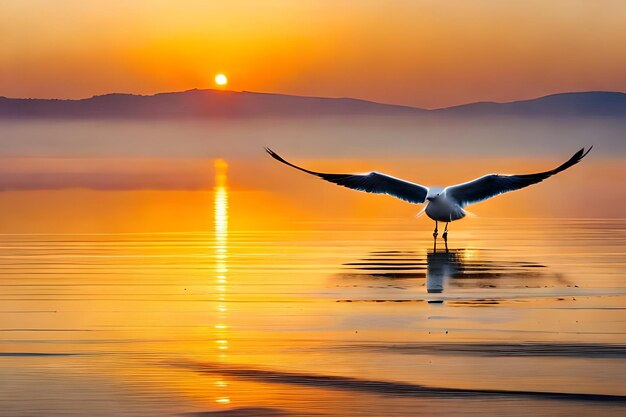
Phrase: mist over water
(340, 137)
(178, 156)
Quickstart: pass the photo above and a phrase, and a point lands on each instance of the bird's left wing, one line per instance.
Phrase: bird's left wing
(494, 184)
(373, 182)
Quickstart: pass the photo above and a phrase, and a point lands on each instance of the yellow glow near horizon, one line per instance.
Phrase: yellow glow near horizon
(221, 80)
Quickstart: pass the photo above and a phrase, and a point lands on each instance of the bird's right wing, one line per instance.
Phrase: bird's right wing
(495, 184)
(373, 182)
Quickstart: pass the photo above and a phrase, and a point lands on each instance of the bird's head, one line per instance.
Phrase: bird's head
(434, 193)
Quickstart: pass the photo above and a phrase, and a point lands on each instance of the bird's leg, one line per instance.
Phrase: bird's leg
(445, 237)
(435, 234)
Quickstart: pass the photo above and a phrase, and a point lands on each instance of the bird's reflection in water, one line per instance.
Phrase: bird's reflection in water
(440, 267)
(443, 270)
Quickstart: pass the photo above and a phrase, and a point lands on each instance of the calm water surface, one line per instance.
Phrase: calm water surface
(350, 318)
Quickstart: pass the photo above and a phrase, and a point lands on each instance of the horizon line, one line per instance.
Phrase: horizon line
(216, 90)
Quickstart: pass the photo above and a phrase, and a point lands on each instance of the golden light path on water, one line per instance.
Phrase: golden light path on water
(220, 220)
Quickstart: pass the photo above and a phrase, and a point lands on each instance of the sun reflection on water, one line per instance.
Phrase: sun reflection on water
(220, 220)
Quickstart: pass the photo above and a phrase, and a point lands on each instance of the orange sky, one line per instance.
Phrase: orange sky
(425, 53)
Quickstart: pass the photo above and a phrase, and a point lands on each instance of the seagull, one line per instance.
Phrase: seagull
(443, 204)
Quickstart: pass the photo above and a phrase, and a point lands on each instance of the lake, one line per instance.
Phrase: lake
(142, 274)
(341, 317)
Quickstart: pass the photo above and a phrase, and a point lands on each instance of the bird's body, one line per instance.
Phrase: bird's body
(443, 209)
(443, 204)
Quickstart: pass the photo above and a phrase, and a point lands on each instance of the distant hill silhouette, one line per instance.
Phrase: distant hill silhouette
(592, 103)
(195, 104)
(231, 104)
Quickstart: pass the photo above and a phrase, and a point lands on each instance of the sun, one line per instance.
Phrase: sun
(220, 79)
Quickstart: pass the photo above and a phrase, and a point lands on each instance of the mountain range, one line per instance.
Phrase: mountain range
(233, 104)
